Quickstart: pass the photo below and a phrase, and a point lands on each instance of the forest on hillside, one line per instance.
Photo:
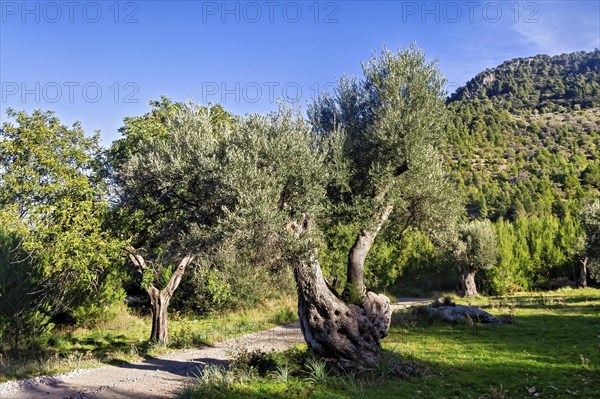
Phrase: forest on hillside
(385, 184)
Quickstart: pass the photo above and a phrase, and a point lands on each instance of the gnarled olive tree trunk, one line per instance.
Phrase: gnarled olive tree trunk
(159, 299)
(583, 272)
(467, 282)
(350, 334)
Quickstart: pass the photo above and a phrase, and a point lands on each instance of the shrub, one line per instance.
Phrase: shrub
(23, 316)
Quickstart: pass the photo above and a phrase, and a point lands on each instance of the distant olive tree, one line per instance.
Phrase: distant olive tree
(590, 259)
(476, 250)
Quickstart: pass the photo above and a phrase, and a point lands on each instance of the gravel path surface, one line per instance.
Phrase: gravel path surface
(152, 378)
(407, 302)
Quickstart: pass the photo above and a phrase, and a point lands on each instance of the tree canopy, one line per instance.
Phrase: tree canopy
(53, 195)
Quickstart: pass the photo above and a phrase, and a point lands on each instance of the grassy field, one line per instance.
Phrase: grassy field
(125, 338)
(552, 350)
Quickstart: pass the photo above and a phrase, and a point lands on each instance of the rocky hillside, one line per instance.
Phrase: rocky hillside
(548, 84)
(525, 138)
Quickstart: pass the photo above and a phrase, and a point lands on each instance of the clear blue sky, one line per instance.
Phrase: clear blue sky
(99, 61)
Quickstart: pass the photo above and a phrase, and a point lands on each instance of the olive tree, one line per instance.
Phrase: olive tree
(166, 170)
(255, 185)
(392, 123)
(387, 174)
(476, 250)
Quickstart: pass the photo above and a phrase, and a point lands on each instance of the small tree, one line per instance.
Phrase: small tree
(590, 219)
(159, 298)
(476, 250)
(167, 173)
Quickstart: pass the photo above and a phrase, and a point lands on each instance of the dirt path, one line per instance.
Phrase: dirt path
(155, 378)
(152, 378)
(406, 302)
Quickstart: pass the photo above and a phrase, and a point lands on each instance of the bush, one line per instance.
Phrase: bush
(284, 316)
(104, 306)
(23, 316)
(243, 359)
(229, 284)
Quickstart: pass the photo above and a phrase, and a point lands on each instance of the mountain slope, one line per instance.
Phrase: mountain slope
(564, 82)
(524, 137)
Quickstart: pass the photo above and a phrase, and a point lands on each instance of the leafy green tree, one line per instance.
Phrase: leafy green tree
(476, 250)
(512, 271)
(50, 179)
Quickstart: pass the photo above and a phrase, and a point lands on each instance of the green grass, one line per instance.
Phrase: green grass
(552, 350)
(554, 346)
(124, 338)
